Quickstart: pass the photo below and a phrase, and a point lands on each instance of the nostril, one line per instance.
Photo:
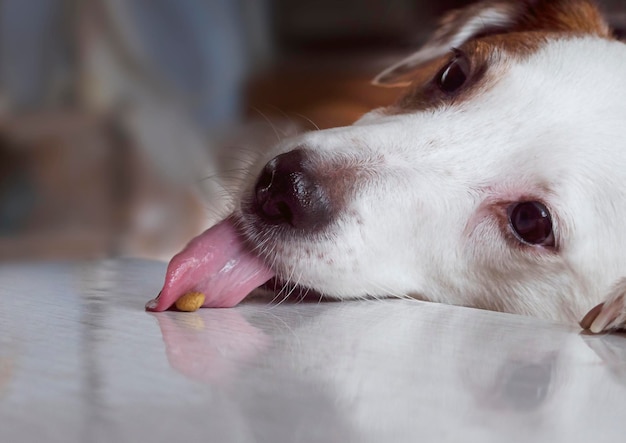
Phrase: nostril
(263, 184)
(276, 210)
(287, 192)
(279, 188)
(271, 196)
(267, 175)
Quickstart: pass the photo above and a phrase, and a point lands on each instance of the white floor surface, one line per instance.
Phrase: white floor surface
(81, 361)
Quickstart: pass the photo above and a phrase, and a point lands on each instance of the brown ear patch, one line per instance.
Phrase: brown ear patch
(573, 16)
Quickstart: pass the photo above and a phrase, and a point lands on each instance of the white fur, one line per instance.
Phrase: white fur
(550, 125)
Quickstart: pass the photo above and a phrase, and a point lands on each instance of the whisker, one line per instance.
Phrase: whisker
(320, 299)
(296, 336)
(240, 150)
(285, 285)
(294, 286)
(226, 173)
(269, 122)
(280, 111)
(308, 120)
(389, 293)
(303, 295)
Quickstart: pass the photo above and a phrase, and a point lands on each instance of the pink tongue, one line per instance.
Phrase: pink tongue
(215, 263)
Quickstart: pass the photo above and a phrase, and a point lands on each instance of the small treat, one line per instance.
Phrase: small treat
(190, 302)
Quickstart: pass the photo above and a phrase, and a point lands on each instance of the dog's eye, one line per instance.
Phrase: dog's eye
(531, 223)
(454, 74)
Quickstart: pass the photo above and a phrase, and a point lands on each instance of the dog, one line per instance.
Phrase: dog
(497, 181)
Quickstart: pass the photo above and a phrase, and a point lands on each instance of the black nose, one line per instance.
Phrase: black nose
(289, 193)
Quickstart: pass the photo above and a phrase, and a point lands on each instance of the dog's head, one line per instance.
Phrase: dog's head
(498, 180)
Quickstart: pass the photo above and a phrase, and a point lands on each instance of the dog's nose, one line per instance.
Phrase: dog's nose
(287, 193)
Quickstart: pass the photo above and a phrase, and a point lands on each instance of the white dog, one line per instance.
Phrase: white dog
(498, 181)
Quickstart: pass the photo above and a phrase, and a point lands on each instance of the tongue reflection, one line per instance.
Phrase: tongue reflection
(216, 263)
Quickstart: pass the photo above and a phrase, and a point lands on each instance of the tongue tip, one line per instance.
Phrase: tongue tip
(216, 263)
(153, 305)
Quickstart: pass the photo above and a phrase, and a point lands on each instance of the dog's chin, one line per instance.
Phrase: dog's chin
(286, 290)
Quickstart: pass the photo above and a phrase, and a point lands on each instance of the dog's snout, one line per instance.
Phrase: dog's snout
(287, 192)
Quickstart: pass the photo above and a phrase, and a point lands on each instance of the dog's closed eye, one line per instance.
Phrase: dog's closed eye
(531, 223)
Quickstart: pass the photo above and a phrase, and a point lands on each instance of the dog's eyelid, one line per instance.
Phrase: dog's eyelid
(459, 53)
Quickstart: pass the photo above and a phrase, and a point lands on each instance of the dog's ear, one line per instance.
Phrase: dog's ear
(456, 28)
(609, 315)
(497, 17)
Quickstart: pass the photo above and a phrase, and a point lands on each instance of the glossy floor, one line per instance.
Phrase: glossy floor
(80, 361)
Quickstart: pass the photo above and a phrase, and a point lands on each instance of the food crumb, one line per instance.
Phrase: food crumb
(190, 302)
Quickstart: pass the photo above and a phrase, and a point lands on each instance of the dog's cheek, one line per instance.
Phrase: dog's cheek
(501, 277)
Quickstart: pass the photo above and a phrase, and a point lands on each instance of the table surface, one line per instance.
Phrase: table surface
(81, 361)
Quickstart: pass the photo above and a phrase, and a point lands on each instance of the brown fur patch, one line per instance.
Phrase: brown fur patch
(574, 16)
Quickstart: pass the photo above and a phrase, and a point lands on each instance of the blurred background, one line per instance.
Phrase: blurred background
(124, 124)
